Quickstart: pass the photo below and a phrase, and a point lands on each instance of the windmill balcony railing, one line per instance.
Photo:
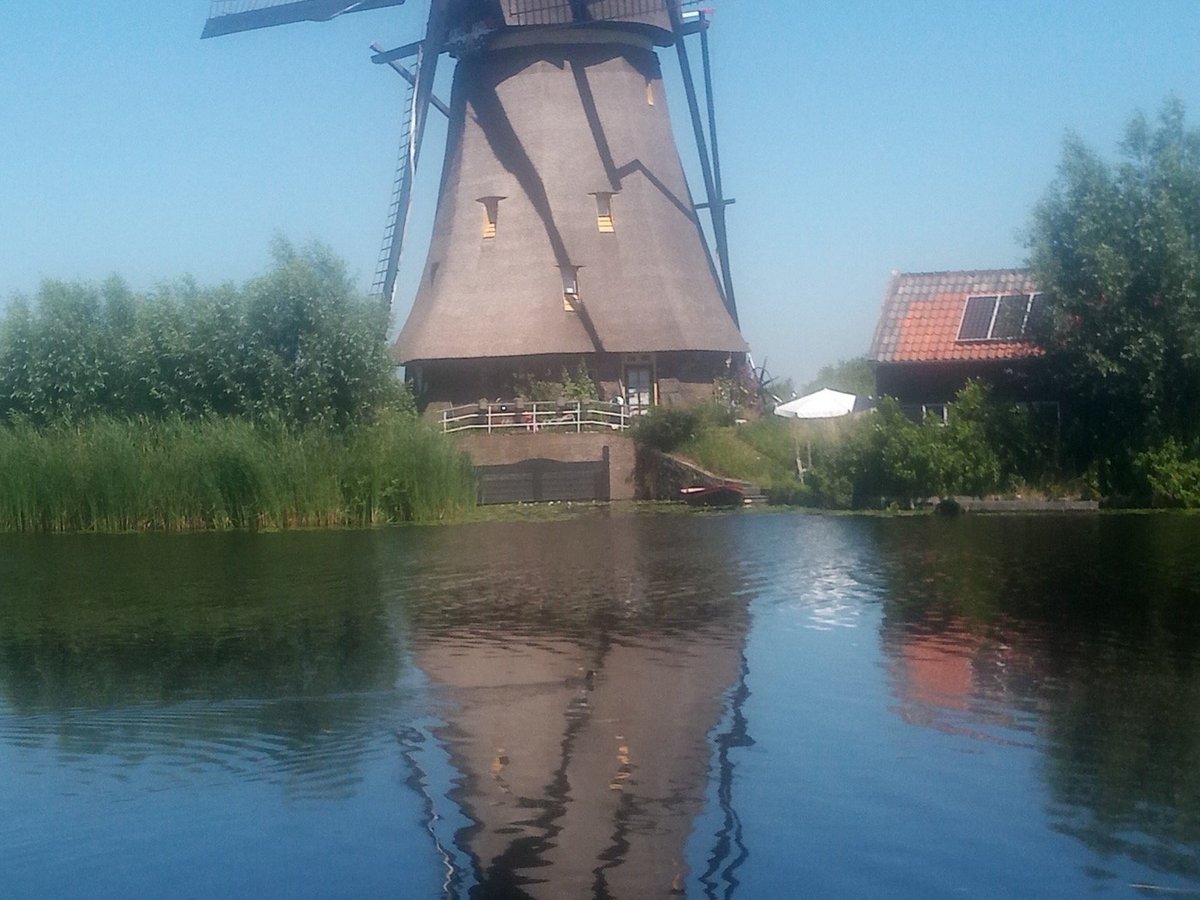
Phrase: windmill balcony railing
(517, 416)
(557, 12)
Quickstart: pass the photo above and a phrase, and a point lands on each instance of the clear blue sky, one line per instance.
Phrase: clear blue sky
(857, 138)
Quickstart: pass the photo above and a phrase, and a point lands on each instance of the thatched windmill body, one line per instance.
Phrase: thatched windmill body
(565, 232)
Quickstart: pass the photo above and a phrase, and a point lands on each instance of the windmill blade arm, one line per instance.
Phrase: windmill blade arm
(422, 94)
(232, 16)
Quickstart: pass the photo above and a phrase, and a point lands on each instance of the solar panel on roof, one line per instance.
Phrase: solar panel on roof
(1010, 317)
(977, 318)
(1037, 315)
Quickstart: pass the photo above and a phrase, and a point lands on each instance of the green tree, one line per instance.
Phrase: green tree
(851, 376)
(297, 346)
(1116, 247)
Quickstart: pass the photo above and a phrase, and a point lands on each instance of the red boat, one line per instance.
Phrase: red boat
(714, 495)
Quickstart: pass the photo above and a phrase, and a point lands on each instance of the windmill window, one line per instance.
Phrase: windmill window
(649, 92)
(491, 211)
(1000, 317)
(604, 216)
(570, 282)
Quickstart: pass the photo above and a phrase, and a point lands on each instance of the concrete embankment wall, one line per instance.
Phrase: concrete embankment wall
(511, 449)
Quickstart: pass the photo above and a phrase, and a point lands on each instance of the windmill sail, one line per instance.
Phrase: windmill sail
(393, 239)
(230, 16)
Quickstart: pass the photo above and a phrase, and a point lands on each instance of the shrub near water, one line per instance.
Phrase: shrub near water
(1168, 475)
(112, 475)
(988, 446)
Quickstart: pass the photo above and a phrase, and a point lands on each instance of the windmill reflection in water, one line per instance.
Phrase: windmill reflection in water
(584, 746)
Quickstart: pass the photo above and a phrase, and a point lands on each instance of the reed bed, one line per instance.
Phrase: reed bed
(116, 475)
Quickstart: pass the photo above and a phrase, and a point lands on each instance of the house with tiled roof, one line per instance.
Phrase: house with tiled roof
(939, 329)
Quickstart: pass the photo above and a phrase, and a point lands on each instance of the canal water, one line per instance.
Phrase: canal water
(620, 705)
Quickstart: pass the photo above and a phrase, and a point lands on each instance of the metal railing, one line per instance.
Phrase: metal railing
(517, 416)
(560, 12)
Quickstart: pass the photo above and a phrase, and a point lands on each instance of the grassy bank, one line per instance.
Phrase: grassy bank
(131, 475)
(988, 447)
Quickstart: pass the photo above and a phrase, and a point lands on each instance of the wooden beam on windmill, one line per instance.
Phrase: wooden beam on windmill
(697, 22)
(405, 73)
(406, 51)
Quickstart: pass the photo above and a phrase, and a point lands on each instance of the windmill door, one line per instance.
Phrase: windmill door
(639, 386)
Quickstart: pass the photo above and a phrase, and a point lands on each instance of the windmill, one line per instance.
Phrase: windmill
(565, 229)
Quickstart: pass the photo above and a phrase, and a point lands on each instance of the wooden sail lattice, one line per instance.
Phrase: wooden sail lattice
(230, 16)
(393, 239)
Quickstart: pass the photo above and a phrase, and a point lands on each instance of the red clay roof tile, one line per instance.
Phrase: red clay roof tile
(922, 312)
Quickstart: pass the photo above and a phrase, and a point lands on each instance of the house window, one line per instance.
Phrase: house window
(936, 412)
(1000, 317)
(491, 210)
(604, 217)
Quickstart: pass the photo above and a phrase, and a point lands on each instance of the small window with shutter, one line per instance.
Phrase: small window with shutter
(491, 211)
(604, 216)
(570, 282)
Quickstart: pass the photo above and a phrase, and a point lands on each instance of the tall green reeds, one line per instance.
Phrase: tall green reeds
(176, 475)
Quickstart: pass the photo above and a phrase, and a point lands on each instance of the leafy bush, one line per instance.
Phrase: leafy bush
(666, 428)
(883, 455)
(1168, 475)
(569, 386)
(987, 446)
